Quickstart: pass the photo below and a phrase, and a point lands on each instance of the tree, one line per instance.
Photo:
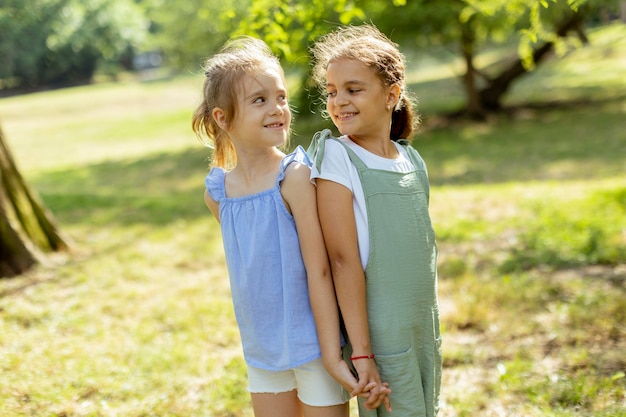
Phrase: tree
(46, 42)
(27, 229)
(541, 26)
(187, 32)
(466, 27)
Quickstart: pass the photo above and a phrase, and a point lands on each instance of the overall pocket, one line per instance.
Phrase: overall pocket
(402, 372)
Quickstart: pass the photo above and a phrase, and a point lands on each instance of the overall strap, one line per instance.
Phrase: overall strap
(318, 145)
(413, 154)
(418, 163)
(358, 163)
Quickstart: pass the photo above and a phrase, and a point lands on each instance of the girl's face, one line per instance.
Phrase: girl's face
(263, 115)
(357, 100)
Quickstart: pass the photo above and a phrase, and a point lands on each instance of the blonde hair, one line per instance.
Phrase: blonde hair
(368, 45)
(224, 71)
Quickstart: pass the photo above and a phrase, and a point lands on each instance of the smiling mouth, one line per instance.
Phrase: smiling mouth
(345, 115)
(275, 125)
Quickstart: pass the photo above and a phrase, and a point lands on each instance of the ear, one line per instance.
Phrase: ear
(393, 96)
(220, 118)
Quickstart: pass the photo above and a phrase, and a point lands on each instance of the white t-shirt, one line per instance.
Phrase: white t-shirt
(337, 167)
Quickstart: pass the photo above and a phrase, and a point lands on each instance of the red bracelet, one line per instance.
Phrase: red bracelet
(372, 356)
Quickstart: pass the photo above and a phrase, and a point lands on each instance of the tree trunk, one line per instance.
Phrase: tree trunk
(491, 95)
(474, 105)
(14, 256)
(26, 228)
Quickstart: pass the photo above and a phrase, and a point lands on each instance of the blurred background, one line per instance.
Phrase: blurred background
(59, 43)
(114, 295)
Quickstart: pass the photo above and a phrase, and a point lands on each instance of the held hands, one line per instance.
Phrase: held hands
(369, 384)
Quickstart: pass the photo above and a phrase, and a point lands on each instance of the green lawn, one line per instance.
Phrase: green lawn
(529, 209)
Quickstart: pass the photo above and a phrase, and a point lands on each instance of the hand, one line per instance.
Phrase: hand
(370, 385)
(379, 395)
(339, 370)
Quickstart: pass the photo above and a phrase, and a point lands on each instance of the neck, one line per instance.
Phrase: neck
(379, 145)
(254, 164)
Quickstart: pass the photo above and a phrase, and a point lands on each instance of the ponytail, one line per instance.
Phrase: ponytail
(403, 120)
(213, 137)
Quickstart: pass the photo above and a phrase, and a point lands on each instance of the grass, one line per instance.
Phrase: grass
(529, 211)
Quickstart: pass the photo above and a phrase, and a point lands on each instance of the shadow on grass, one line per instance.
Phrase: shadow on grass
(546, 144)
(158, 189)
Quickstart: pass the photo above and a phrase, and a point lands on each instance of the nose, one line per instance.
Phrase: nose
(341, 99)
(277, 109)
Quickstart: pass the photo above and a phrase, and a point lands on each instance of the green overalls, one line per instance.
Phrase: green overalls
(401, 283)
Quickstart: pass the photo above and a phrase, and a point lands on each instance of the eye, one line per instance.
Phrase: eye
(331, 93)
(259, 100)
(353, 90)
(282, 98)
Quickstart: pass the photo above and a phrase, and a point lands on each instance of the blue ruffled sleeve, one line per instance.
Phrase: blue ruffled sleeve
(214, 183)
(298, 155)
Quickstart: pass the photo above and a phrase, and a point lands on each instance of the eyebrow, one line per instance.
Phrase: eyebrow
(347, 83)
(256, 93)
(263, 92)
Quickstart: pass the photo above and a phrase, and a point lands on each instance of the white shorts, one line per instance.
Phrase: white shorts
(315, 386)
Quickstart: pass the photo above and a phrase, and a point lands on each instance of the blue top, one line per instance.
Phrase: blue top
(267, 276)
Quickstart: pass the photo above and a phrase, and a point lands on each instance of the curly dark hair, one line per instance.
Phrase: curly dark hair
(365, 43)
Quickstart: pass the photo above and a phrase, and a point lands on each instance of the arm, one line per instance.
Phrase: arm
(299, 195)
(339, 227)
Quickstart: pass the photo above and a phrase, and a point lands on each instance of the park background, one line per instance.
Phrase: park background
(134, 319)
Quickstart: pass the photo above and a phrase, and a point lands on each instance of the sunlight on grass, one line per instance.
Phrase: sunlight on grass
(592, 72)
(121, 326)
(107, 122)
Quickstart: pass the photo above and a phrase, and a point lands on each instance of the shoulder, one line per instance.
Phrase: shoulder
(298, 155)
(216, 172)
(318, 147)
(296, 187)
(412, 153)
(339, 144)
(214, 183)
(335, 164)
(296, 174)
(403, 150)
(215, 179)
(336, 150)
(295, 167)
